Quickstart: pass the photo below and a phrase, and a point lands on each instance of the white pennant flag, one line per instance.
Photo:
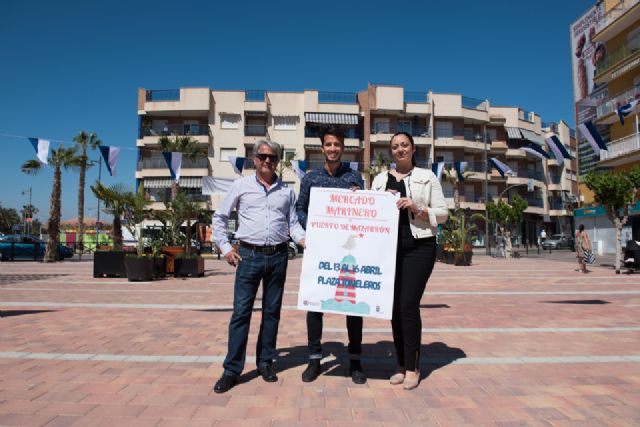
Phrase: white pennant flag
(42, 149)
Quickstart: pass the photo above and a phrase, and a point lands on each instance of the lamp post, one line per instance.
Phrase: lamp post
(486, 189)
(25, 212)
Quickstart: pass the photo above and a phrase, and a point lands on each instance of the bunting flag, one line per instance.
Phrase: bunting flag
(558, 148)
(626, 109)
(174, 162)
(110, 156)
(591, 134)
(299, 167)
(42, 149)
(237, 163)
(216, 186)
(501, 167)
(437, 168)
(536, 151)
(353, 166)
(461, 167)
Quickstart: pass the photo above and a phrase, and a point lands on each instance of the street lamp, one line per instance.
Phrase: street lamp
(25, 211)
(485, 138)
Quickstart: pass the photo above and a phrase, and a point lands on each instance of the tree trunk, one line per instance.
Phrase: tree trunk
(175, 189)
(83, 172)
(116, 231)
(618, 225)
(187, 246)
(507, 243)
(51, 253)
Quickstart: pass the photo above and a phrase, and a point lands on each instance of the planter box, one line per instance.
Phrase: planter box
(160, 267)
(463, 258)
(192, 267)
(139, 269)
(109, 264)
(171, 252)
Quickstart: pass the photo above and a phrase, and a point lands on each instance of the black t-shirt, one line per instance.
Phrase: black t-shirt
(405, 238)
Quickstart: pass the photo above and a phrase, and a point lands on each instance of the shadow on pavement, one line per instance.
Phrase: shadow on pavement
(578, 301)
(7, 279)
(11, 313)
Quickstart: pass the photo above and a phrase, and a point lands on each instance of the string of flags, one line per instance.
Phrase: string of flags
(626, 109)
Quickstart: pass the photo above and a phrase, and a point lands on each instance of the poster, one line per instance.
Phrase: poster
(350, 256)
(585, 52)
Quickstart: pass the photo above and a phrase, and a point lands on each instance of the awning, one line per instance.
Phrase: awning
(532, 136)
(513, 133)
(185, 182)
(285, 115)
(332, 118)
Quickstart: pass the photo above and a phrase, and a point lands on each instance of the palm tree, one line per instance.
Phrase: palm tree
(186, 210)
(190, 149)
(114, 198)
(451, 175)
(84, 140)
(61, 158)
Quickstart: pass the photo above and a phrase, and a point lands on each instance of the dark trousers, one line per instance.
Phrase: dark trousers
(253, 268)
(413, 268)
(314, 335)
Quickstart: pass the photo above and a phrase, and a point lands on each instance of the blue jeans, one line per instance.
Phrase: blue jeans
(254, 267)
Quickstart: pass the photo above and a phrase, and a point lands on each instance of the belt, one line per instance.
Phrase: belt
(265, 249)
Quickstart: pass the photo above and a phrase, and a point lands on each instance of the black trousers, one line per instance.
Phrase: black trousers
(413, 268)
(314, 335)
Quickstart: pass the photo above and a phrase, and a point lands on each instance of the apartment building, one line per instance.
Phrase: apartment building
(612, 43)
(446, 128)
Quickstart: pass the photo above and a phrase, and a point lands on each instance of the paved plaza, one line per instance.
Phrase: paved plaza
(506, 342)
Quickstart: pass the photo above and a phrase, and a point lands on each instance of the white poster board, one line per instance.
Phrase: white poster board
(350, 256)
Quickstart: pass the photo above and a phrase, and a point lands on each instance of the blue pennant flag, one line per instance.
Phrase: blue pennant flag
(42, 149)
(626, 109)
(437, 168)
(174, 162)
(536, 151)
(501, 167)
(299, 167)
(592, 135)
(461, 167)
(110, 156)
(237, 163)
(558, 148)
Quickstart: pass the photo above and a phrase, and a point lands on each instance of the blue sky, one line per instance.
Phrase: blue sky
(69, 65)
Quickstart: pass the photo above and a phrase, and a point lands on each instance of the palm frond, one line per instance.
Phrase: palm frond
(31, 167)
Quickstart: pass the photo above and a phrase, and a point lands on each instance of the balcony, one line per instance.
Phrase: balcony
(164, 194)
(163, 95)
(621, 147)
(615, 102)
(159, 163)
(556, 205)
(315, 131)
(337, 98)
(174, 129)
(616, 56)
(474, 104)
(255, 95)
(525, 173)
(614, 13)
(555, 179)
(416, 97)
(534, 202)
(255, 130)
(388, 128)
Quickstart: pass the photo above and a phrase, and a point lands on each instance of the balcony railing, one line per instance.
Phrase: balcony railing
(175, 129)
(524, 173)
(254, 95)
(474, 104)
(164, 194)
(620, 147)
(160, 163)
(616, 101)
(416, 97)
(337, 98)
(614, 13)
(616, 55)
(535, 202)
(163, 95)
(314, 132)
(471, 166)
(556, 204)
(400, 127)
(255, 130)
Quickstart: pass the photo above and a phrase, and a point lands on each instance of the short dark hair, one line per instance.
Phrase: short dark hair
(334, 131)
(581, 227)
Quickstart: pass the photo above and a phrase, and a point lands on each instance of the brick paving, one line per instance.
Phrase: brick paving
(506, 343)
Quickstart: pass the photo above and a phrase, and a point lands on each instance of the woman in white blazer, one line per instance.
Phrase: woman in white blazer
(422, 207)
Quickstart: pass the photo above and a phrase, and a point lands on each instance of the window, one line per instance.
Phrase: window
(381, 125)
(444, 130)
(226, 152)
(229, 121)
(493, 134)
(288, 154)
(285, 122)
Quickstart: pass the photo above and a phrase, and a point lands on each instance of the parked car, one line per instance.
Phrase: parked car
(559, 241)
(25, 246)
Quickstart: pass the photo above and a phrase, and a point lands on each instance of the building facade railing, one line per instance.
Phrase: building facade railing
(337, 98)
(474, 104)
(416, 97)
(411, 129)
(255, 130)
(160, 163)
(164, 194)
(620, 147)
(525, 173)
(255, 95)
(315, 131)
(174, 129)
(163, 95)
(614, 13)
(613, 103)
(616, 55)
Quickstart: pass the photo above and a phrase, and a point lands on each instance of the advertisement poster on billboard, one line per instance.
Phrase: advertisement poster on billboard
(585, 53)
(350, 256)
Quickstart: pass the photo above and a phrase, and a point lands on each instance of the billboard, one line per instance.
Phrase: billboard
(585, 53)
